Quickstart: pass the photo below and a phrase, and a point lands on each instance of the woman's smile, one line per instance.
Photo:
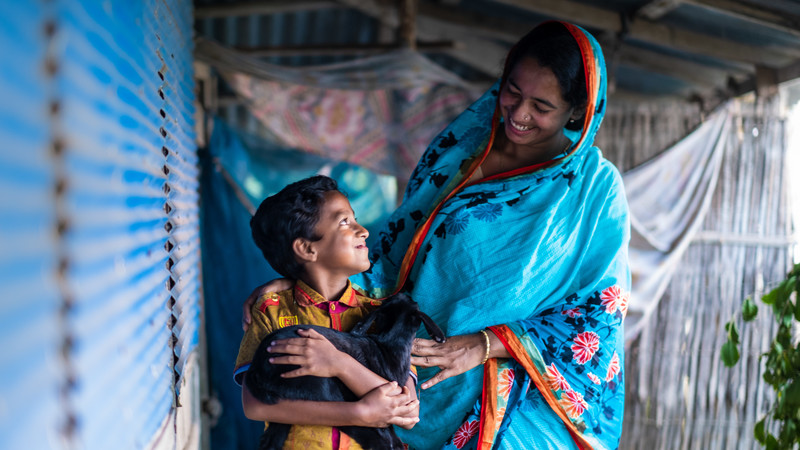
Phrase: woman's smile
(533, 95)
(519, 127)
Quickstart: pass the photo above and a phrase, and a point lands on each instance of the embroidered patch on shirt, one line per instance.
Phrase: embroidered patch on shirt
(271, 299)
(287, 321)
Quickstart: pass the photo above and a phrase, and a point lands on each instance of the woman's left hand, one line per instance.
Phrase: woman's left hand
(455, 356)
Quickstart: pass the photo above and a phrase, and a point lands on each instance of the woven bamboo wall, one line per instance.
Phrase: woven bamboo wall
(679, 394)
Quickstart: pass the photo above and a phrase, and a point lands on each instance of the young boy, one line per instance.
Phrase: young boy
(308, 232)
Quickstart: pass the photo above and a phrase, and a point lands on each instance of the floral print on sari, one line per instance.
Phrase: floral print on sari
(542, 251)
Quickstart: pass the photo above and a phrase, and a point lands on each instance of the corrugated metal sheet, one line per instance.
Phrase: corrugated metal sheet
(101, 111)
(30, 411)
(181, 165)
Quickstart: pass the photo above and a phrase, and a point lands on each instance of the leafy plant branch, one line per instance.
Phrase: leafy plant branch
(782, 362)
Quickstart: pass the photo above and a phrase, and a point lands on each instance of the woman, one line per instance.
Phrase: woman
(513, 237)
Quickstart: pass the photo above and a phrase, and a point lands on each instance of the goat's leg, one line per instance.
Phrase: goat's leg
(274, 436)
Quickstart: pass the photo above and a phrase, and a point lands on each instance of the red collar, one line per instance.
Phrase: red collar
(304, 295)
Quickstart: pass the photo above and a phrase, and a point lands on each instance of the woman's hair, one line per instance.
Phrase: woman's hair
(553, 46)
(290, 214)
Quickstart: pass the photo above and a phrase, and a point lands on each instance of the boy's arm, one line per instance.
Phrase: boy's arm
(386, 405)
(358, 378)
(316, 356)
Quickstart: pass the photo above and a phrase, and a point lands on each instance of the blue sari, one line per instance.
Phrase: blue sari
(539, 257)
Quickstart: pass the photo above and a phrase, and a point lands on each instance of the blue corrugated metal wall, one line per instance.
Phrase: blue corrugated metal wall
(99, 234)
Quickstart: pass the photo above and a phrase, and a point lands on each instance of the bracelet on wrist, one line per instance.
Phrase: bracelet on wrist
(488, 346)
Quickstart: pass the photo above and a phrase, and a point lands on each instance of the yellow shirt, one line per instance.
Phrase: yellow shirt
(302, 305)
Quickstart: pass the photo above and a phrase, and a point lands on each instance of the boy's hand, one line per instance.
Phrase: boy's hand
(387, 405)
(315, 355)
(276, 285)
(414, 403)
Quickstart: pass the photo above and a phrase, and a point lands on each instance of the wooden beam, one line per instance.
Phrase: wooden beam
(658, 34)
(782, 22)
(477, 24)
(693, 73)
(657, 9)
(260, 8)
(384, 12)
(790, 72)
(480, 54)
(766, 81)
(471, 29)
(347, 49)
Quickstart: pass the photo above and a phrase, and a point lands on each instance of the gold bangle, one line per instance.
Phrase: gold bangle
(488, 346)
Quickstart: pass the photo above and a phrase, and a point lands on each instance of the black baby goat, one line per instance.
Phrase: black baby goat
(386, 352)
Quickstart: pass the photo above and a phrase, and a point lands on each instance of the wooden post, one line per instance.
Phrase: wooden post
(766, 81)
(407, 32)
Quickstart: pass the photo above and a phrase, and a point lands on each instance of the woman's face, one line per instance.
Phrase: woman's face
(533, 108)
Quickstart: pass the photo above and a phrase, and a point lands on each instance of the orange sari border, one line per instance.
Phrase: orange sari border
(488, 424)
(592, 80)
(518, 352)
(419, 235)
(590, 73)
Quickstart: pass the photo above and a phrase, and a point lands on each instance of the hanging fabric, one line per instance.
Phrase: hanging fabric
(668, 198)
(379, 112)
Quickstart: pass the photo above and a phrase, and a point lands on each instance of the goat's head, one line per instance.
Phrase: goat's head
(400, 310)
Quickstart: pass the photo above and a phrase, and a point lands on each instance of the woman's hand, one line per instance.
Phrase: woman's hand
(315, 355)
(276, 285)
(455, 356)
(388, 404)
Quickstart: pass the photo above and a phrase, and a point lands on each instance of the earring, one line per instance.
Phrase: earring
(571, 120)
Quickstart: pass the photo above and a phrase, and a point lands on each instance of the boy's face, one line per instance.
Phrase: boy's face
(342, 249)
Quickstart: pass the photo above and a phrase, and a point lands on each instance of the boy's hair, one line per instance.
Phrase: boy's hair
(290, 214)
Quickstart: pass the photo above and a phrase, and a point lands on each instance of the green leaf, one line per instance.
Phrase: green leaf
(769, 377)
(730, 354)
(749, 309)
(758, 431)
(797, 308)
(772, 443)
(789, 284)
(788, 433)
(792, 393)
(769, 297)
(780, 295)
(733, 332)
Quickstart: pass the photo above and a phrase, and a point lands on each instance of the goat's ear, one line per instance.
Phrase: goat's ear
(433, 330)
(362, 327)
(304, 250)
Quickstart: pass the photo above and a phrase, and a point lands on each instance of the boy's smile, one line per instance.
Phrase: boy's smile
(342, 249)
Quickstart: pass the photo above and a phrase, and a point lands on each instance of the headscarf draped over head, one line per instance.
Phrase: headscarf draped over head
(537, 256)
